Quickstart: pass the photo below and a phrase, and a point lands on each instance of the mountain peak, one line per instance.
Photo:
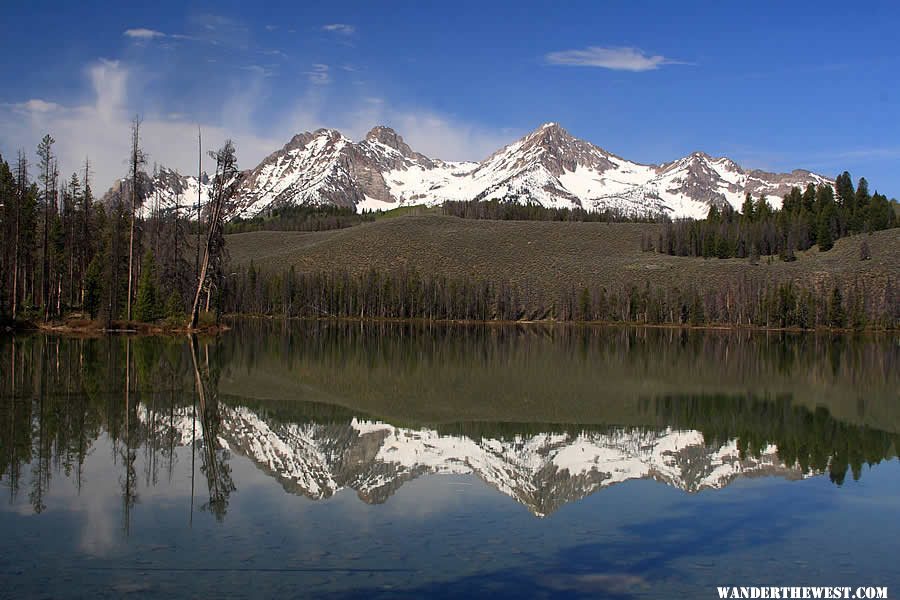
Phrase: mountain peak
(387, 136)
(549, 129)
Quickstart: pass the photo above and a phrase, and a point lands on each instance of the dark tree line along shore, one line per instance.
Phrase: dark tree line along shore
(411, 295)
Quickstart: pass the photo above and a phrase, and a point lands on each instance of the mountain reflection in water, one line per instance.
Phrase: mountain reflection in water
(546, 416)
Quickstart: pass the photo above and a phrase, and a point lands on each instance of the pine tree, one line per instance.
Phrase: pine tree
(836, 315)
(585, 305)
(843, 183)
(763, 211)
(823, 236)
(174, 307)
(48, 179)
(747, 208)
(147, 307)
(93, 286)
(861, 203)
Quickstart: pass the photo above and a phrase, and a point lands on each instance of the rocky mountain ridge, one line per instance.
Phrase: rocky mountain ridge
(548, 166)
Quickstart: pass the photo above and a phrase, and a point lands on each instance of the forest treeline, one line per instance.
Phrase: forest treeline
(814, 216)
(300, 218)
(62, 250)
(407, 294)
(510, 210)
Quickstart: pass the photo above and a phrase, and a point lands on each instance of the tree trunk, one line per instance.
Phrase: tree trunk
(18, 209)
(199, 175)
(131, 248)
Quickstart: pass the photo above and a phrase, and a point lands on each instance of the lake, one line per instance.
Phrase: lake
(396, 460)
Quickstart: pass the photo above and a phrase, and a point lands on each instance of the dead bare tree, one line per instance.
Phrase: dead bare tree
(199, 177)
(21, 184)
(223, 188)
(138, 159)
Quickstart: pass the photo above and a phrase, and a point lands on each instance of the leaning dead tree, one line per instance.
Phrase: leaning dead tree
(223, 188)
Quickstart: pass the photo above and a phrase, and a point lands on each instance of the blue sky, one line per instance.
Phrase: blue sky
(773, 85)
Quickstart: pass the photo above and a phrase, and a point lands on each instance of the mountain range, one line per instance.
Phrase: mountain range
(548, 166)
(542, 471)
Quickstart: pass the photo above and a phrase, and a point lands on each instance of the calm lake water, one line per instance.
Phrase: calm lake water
(349, 460)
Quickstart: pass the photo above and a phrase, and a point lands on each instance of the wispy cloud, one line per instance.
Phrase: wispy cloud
(258, 70)
(142, 33)
(341, 28)
(99, 129)
(212, 22)
(319, 75)
(35, 105)
(623, 58)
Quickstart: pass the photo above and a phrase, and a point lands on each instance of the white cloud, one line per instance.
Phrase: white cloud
(258, 70)
(100, 130)
(341, 28)
(142, 33)
(615, 58)
(35, 105)
(319, 75)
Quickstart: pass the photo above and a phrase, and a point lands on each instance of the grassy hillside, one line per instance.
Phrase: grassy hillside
(543, 257)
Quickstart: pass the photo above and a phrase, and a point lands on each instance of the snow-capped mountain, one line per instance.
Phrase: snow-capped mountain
(165, 191)
(548, 166)
(542, 471)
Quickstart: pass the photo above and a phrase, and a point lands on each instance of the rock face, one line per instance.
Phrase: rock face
(541, 471)
(548, 166)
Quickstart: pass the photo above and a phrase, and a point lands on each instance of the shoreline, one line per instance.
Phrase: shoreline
(96, 329)
(555, 322)
(88, 328)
